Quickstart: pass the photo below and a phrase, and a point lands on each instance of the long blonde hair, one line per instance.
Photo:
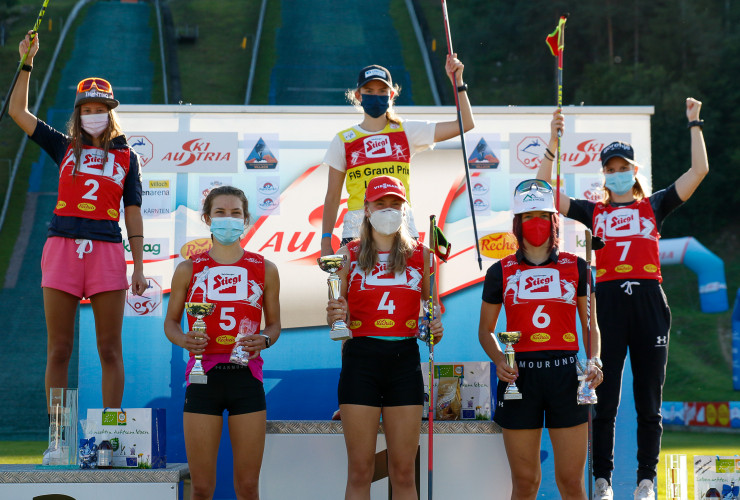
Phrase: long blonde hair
(403, 247)
(390, 115)
(75, 131)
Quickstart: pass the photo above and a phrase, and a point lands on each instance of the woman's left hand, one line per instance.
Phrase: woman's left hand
(138, 283)
(253, 344)
(454, 69)
(436, 328)
(594, 376)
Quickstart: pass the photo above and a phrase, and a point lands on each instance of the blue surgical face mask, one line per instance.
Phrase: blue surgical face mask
(375, 105)
(227, 230)
(620, 182)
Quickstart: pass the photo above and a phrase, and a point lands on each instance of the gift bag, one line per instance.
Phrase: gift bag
(138, 436)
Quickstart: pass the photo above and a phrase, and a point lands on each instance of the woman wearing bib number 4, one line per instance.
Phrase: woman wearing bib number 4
(539, 303)
(243, 286)
(632, 308)
(381, 373)
(83, 255)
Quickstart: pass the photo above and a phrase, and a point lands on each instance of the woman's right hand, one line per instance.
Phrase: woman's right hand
(505, 372)
(195, 342)
(557, 124)
(25, 44)
(336, 309)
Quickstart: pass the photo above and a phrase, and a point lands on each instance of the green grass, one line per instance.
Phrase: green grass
(21, 452)
(411, 54)
(215, 69)
(700, 359)
(267, 54)
(154, 55)
(690, 444)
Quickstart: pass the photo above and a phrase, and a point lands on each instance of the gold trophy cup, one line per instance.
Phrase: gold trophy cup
(199, 310)
(510, 338)
(331, 264)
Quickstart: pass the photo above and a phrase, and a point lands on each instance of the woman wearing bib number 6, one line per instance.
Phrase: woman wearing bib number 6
(383, 285)
(243, 286)
(632, 308)
(535, 286)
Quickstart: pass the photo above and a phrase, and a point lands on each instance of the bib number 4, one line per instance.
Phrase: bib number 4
(385, 304)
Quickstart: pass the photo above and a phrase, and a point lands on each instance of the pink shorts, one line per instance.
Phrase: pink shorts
(83, 267)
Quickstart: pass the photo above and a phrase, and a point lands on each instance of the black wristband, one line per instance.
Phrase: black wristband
(463, 88)
(695, 123)
(27, 67)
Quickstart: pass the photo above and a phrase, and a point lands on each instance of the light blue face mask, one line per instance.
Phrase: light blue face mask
(620, 182)
(227, 230)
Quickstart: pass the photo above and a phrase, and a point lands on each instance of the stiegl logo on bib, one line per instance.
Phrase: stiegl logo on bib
(228, 283)
(377, 146)
(625, 222)
(539, 284)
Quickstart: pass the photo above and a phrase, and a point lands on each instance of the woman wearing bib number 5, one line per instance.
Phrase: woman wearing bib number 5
(632, 308)
(244, 287)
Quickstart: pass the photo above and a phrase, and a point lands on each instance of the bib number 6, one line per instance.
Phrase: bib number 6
(540, 319)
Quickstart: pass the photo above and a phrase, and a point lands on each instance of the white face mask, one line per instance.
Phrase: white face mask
(386, 221)
(94, 124)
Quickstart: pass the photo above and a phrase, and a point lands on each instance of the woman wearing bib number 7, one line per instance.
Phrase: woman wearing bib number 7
(632, 308)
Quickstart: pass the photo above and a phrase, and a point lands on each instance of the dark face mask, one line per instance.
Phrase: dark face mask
(375, 105)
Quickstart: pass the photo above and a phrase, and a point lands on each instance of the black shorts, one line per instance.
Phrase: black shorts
(230, 387)
(381, 373)
(549, 388)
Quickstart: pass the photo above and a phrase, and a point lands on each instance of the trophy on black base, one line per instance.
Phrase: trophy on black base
(199, 310)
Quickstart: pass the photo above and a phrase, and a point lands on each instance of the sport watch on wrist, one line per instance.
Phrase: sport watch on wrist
(463, 88)
(268, 340)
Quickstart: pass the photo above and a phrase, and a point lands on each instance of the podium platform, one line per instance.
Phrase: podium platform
(28, 481)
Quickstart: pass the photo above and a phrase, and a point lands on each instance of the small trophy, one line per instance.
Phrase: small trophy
(510, 338)
(62, 450)
(331, 264)
(199, 310)
(586, 395)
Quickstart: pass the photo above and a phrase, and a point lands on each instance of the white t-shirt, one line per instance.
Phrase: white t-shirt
(420, 135)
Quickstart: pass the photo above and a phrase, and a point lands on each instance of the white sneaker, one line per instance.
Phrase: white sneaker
(603, 491)
(644, 490)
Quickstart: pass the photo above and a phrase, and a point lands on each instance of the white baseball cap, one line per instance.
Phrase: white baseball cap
(533, 195)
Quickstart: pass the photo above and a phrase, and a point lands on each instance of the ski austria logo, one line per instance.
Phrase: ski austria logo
(267, 188)
(539, 284)
(196, 150)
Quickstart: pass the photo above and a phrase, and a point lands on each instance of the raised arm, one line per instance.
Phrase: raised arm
(690, 180)
(545, 171)
(18, 105)
(448, 130)
(331, 206)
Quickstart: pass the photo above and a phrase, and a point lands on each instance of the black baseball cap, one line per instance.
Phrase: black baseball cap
(620, 149)
(374, 72)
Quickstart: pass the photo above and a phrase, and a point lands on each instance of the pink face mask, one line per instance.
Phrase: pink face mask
(94, 124)
(536, 231)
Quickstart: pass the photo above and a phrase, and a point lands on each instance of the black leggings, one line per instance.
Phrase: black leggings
(632, 317)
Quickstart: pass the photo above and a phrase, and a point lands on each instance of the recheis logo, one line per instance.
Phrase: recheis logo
(196, 150)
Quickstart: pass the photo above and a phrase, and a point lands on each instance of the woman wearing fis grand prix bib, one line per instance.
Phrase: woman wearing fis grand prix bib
(632, 308)
(381, 144)
(382, 288)
(83, 255)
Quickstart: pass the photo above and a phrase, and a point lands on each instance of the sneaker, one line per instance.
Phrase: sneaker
(644, 490)
(603, 490)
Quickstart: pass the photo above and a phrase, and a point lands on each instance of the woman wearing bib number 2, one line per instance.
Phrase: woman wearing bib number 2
(244, 287)
(83, 255)
(383, 285)
(535, 286)
(382, 144)
(632, 308)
